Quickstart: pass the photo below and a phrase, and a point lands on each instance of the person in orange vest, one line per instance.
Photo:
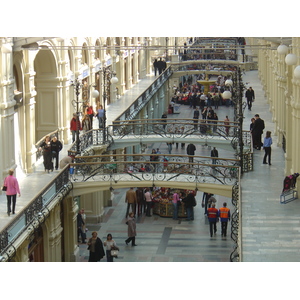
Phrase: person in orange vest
(224, 214)
(213, 215)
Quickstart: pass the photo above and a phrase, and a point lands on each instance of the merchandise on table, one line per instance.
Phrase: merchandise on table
(162, 201)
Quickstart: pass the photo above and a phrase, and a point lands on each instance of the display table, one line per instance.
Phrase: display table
(166, 209)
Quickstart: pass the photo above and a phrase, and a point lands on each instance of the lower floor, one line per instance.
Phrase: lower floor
(162, 239)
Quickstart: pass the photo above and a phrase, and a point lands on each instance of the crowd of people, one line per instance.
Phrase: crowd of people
(140, 201)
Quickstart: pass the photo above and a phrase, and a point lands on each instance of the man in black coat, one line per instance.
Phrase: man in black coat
(190, 150)
(214, 153)
(189, 202)
(257, 131)
(250, 97)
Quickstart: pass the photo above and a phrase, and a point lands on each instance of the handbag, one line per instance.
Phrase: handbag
(4, 188)
(114, 253)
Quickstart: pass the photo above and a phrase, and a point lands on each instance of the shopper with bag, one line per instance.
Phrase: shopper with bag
(111, 248)
(11, 187)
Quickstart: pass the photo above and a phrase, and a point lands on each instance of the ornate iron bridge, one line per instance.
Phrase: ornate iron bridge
(155, 167)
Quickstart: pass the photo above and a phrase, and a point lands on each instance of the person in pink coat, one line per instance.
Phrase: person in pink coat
(13, 189)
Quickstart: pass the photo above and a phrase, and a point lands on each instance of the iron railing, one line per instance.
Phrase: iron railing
(33, 214)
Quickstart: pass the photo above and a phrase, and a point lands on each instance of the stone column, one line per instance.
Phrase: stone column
(52, 231)
(7, 102)
(70, 209)
(93, 205)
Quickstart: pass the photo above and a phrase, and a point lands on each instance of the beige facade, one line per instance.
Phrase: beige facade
(36, 96)
(282, 92)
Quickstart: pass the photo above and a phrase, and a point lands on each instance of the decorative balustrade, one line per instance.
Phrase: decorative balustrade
(173, 128)
(33, 214)
(135, 167)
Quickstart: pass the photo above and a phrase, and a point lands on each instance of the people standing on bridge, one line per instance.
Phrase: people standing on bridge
(215, 118)
(75, 125)
(164, 116)
(100, 115)
(224, 214)
(131, 230)
(212, 214)
(257, 131)
(214, 153)
(216, 100)
(86, 123)
(12, 189)
(250, 97)
(190, 150)
(131, 201)
(267, 147)
(169, 145)
(196, 117)
(226, 124)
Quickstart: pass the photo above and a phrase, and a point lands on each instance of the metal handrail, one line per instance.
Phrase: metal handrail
(34, 213)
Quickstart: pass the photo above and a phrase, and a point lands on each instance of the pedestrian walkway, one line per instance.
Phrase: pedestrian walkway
(270, 230)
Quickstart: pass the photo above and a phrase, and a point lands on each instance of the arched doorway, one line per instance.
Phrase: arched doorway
(48, 112)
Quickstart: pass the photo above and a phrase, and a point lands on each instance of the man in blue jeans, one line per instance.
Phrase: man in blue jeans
(213, 215)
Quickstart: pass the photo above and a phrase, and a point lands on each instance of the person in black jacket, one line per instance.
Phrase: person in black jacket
(250, 97)
(96, 248)
(257, 131)
(190, 150)
(214, 153)
(56, 146)
(189, 202)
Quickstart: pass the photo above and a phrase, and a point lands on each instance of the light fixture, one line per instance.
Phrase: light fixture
(95, 94)
(228, 82)
(226, 95)
(291, 59)
(282, 49)
(297, 72)
(114, 80)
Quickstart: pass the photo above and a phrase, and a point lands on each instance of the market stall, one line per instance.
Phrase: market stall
(162, 202)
